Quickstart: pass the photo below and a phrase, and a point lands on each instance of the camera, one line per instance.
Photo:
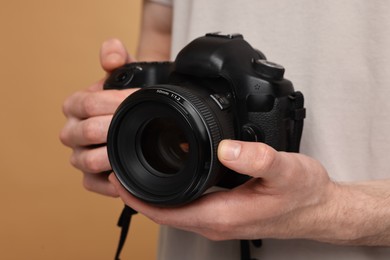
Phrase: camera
(162, 141)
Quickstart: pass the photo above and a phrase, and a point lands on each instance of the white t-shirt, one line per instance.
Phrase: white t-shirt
(337, 52)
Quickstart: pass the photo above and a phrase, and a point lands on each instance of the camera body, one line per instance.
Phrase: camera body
(163, 139)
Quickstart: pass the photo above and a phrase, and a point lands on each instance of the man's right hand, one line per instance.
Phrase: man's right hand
(89, 114)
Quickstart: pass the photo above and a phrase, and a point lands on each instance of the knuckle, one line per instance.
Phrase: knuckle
(73, 161)
(91, 131)
(89, 105)
(265, 159)
(64, 137)
(91, 163)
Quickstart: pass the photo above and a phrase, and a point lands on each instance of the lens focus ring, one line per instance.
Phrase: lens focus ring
(159, 172)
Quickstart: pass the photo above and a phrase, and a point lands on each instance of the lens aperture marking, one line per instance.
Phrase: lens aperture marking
(171, 95)
(159, 91)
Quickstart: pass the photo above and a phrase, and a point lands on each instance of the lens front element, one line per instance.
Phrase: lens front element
(164, 146)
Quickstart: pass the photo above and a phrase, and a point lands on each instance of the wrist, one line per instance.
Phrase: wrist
(352, 214)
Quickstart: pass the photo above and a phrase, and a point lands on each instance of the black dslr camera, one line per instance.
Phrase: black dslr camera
(162, 141)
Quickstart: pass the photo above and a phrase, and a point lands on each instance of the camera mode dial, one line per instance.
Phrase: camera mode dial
(269, 70)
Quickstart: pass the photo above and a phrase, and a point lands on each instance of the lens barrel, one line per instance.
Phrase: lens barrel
(162, 143)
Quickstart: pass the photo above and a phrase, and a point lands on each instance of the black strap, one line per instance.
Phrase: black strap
(298, 113)
(245, 248)
(124, 223)
(125, 220)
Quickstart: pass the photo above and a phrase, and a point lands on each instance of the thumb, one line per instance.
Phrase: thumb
(113, 54)
(254, 159)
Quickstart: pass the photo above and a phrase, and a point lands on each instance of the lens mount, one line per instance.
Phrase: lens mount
(162, 143)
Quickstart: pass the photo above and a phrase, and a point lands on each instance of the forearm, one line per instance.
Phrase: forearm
(354, 214)
(155, 36)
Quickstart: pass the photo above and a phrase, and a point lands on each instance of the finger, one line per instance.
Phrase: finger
(97, 85)
(255, 159)
(197, 216)
(140, 206)
(91, 131)
(99, 183)
(91, 160)
(113, 54)
(84, 104)
(210, 216)
(129, 199)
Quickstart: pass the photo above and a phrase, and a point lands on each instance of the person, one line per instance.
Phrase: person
(332, 201)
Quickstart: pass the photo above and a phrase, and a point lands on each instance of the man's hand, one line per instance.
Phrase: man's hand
(267, 206)
(290, 196)
(88, 114)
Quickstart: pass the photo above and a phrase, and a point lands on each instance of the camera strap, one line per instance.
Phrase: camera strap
(245, 248)
(298, 113)
(125, 220)
(124, 224)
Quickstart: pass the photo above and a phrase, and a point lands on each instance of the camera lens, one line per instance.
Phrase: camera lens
(162, 143)
(164, 146)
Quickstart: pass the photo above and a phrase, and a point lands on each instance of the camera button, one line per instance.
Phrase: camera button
(269, 69)
(251, 133)
(122, 76)
(222, 101)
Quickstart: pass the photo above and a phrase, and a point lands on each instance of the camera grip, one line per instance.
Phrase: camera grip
(282, 126)
(139, 75)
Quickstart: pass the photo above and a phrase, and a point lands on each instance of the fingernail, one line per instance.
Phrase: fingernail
(114, 57)
(229, 150)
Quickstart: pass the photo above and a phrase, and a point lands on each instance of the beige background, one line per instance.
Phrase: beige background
(49, 49)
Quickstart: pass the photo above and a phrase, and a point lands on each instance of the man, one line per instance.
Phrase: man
(336, 53)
